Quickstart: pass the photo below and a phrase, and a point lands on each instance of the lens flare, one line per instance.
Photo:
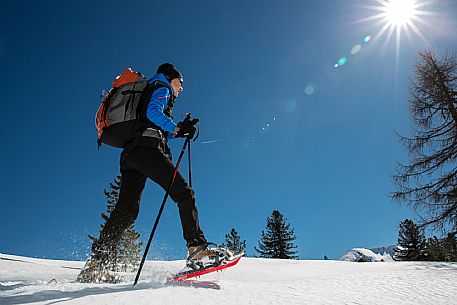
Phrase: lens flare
(342, 61)
(310, 89)
(367, 39)
(291, 106)
(356, 49)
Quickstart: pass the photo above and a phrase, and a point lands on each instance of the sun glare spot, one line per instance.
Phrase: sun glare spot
(399, 15)
(399, 18)
(400, 12)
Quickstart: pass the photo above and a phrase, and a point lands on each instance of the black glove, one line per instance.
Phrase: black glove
(186, 128)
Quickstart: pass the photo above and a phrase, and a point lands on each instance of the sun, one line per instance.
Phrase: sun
(400, 18)
(399, 13)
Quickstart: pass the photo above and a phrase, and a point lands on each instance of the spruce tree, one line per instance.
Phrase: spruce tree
(277, 240)
(233, 242)
(434, 250)
(411, 242)
(442, 249)
(450, 248)
(129, 250)
(126, 254)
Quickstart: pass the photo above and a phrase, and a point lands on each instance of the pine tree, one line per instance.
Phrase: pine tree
(129, 250)
(277, 240)
(233, 242)
(434, 250)
(126, 254)
(442, 249)
(450, 248)
(411, 242)
(429, 182)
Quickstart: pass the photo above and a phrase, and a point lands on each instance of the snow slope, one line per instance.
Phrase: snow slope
(254, 281)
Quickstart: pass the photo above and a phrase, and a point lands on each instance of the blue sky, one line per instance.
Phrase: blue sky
(291, 132)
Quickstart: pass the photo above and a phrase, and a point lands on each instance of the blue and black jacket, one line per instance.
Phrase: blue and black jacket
(160, 105)
(157, 111)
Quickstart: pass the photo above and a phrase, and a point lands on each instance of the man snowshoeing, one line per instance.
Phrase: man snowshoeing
(150, 157)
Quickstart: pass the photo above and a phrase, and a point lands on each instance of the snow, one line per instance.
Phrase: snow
(253, 281)
(358, 254)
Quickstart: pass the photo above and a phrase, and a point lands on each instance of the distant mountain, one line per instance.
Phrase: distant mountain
(365, 255)
(381, 250)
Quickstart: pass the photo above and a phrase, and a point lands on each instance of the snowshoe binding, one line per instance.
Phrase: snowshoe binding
(201, 257)
(204, 260)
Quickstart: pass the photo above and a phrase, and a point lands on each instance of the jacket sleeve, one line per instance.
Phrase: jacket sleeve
(156, 106)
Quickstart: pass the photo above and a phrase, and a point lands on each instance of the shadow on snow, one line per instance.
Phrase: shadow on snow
(60, 296)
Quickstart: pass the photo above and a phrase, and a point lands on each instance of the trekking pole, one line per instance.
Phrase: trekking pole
(188, 155)
(189, 164)
(161, 210)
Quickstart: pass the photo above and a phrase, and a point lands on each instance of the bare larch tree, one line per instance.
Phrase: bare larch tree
(429, 182)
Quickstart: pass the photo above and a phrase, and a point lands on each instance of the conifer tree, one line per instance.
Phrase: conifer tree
(126, 254)
(411, 242)
(434, 250)
(129, 250)
(442, 249)
(277, 240)
(450, 248)
(233, 242)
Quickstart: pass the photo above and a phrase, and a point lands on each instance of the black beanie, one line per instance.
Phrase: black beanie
(169, 71)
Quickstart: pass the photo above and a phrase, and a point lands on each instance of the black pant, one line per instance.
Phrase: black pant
(150, 161)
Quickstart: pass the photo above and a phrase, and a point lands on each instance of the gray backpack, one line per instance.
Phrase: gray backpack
(117, 120)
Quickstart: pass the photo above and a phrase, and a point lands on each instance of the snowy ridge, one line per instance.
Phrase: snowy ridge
(253, 281)
(365, 255)
(383, 250)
